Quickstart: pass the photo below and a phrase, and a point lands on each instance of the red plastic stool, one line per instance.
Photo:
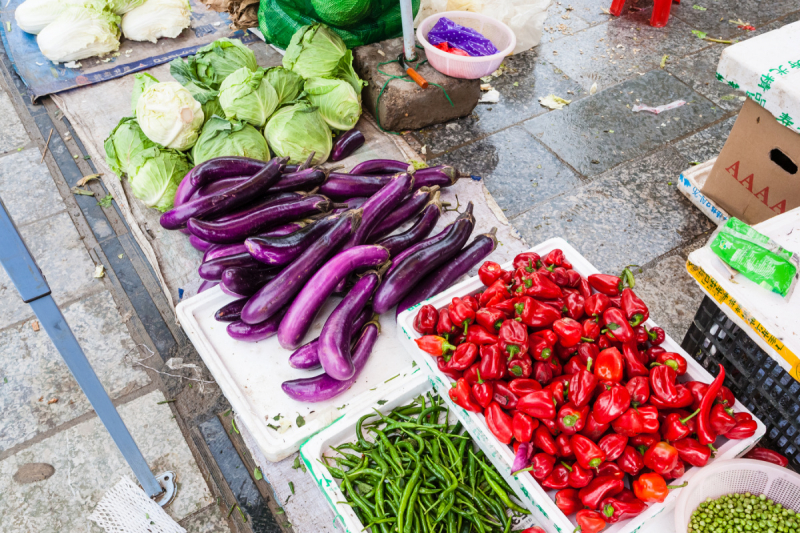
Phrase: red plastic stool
(660, 15)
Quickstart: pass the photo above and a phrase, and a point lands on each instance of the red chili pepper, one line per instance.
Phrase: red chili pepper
(434, 345)
(452, 374)
(615, 301)
(460, 394)
(675, 428)
(725, 397)
(589, 521)
(471, 374)
(661, 458)
(603, 343)
(574, 280)
(506, 306)
(522, 426)
(644, 441)
(523, 386)
(663, 383)
(527, 260)
(634, 308)
(764, 454)
(495, 294)
(559, 388)
(560, 277)
(504, 396)
(492, 364)
(650, 420)
(569, 331)
(652, 352)
(615, 510)
(445, 325)
(679, 471)
(534, 529)
(593, 429)
(656, 336)
(640, 333)
(499, 423)
(513, 338)
(609, 365)
(633, 365)
(471, 302)
(571, 419)
(585, 288)
(630, 461)
(721, 419)
(567, 501)
(521, 366)
(606, 284)
(599, 489)
(705, 433)
(543, 373)
(673, 360)
(539, 404)
(742, 430)
(426, 320)
(463, 357)
(610, 404)
(610, 469)
(557, 480)
(542, 465)
(540, 286)
(588, 454)
(564, 447)
(579, 476)
(684, 399)
(490, 319)
(483, 391)
(630, 423)
(581, 388)
(651, 487)
(489, 272)
(588, 352)
(639, 388)
(461, 313)
(554, 257)
(573, 366)
(613, 445)
(478, 335)
(539, 347)
(596, 304)
(591, 330)
(575, 305)
(616, 326)
(543, 439)
(692, 451)
(698, 390)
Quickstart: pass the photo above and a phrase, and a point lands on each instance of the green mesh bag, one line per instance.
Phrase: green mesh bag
(357, 22)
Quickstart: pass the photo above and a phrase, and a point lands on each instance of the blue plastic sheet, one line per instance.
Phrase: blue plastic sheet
(458, 36)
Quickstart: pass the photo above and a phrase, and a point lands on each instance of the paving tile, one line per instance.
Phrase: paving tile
(630, 215)
(526, 78)
(26, 187)
(707, 143)
(698, 71)
(715, 20)
(517, 170)
(562, 20)
(596, 133)
(621, 49)
(13, 135)
(32, 368)
(589, 10)
(210, 520)
(60, 253)
(88, 463)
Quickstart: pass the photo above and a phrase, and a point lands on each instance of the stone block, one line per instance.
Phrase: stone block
(405, 105)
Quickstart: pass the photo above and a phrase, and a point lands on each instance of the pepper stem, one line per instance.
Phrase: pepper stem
(513, 350)
(594, 463)
(466, 327)
(480, 381)
(678, 486)
(546, 353)
(566, 466)
(587, 339)
(608, 511)
(638, 318)
(589, 364)
(526, 469)
(569, 420)
(651, 335)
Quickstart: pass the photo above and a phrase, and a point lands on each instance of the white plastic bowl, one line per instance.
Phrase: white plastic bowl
(737, 476)
(469, 68)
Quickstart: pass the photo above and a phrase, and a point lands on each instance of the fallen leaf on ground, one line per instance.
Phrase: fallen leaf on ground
(593, 89)
(553, 102)
(84, 192)
(35, 325)
(86, 179)
(52, 401)
(99, 271)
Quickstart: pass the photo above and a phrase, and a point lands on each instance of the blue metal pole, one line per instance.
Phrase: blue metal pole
(25, 273)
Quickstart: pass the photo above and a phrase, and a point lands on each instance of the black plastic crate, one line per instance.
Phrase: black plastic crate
(756, 379)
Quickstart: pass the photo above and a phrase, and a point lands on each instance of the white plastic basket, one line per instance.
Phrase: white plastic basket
(738, 476)
(533, 495)
(469, 68)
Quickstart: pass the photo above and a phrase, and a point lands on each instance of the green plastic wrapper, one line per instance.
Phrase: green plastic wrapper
(756, 257)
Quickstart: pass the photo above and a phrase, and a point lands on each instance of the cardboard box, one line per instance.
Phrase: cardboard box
(756, 175)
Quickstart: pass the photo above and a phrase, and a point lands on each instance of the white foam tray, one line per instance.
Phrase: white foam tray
(533, 496)
(250, 374)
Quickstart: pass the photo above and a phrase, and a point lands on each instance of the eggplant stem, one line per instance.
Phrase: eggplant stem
(307, 162)
(458, 204)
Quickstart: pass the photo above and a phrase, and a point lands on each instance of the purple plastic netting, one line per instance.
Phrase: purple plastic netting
(458, 36)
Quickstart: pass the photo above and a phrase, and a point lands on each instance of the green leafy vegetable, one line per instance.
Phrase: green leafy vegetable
(105, 201)
(169, 115)
(314, 51)
(158, 178)
(300, 421)
(286, 83)
(246, 95)
(33, 15)
(216, 61)
(337, 101)
(222, 137)
(257, 474)
(344, 70)
(297, 130)
(142, 80)
(78, 33)
(127, 147)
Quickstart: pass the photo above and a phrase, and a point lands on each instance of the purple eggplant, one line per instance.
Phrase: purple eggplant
(323, 387)
(285, 229)
(347, 143)
(207, 284)
(212, 270)
(217, 187)
(223, 250)
(267, 201)
(402, 280)
(241, 194)
(334, 340)
(340, 186)
(256, 332)
(284, 250)
(379, 206)
(447, 275)
(305, 306)
(442, 175)
(301, 180)
(404, 212)
(352, 203)
(185, 189)
(245, 281)
(230, 312)
(226, 167)
(288, 283)
(421, 228)
(380, 166)
(199, 244)
(306, 357)
(239, 228)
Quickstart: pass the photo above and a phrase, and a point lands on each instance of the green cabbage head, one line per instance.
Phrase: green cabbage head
(216, 61)
(338, 103)
(222, 137)
(314, 51)
(127, 147)
(158, 178)
(286, 83)
(297, 130)
(246, 95)
(169, 116)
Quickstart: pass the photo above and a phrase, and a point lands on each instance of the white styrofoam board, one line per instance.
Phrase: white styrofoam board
(767, 69)
(250, 373)
(533, 496)
(777, 315)
(691, 181)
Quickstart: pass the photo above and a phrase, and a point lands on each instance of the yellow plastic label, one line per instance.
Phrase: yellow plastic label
(721, 296)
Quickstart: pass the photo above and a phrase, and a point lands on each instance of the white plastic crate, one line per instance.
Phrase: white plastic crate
(535, 497)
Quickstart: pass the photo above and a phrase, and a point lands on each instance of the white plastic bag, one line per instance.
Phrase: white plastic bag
(524, 17)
